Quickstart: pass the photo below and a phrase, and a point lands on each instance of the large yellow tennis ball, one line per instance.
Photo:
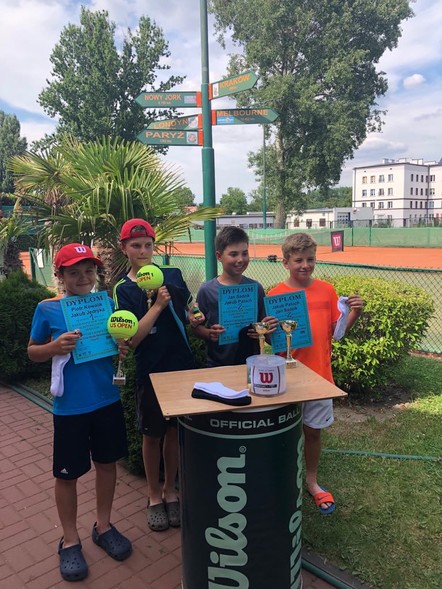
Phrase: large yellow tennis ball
(122, 324)
(150, 277)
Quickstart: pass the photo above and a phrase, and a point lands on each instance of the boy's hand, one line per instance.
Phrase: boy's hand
(123, 348)
(163, 298)
(66, 342)
(199, 319)
(215, 331)
(273, 324)
(355, 303)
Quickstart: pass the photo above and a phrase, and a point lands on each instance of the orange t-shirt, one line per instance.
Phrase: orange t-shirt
(322, 304)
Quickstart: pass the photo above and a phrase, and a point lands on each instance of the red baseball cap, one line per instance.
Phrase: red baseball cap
(136, 228)
(72, 253)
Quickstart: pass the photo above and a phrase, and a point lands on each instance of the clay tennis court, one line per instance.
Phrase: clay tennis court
(401, 257)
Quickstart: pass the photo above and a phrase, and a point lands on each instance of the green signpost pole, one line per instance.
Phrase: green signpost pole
(264, 195)
(208, 160)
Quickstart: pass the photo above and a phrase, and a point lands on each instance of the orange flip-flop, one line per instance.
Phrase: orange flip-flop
(324, 497)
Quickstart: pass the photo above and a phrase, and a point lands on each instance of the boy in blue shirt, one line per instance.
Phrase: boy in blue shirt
(87, 414)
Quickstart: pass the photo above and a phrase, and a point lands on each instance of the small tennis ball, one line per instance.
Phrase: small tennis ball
(122, 324)
(150, 277)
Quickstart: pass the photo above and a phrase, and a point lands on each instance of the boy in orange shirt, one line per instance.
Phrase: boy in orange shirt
(299, 258)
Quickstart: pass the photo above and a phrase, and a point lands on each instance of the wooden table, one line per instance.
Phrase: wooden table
(174, 389)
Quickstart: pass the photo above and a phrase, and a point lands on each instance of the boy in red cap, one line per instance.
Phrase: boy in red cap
(88, 416)
(160, 344)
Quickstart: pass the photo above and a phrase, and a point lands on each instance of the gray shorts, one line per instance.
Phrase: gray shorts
(318, 414)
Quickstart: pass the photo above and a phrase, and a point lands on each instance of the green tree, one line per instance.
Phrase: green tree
(185, 198)
(234, 201)
(86, 191)
(94, 86)
(316, 60)
(340, 196)
(10, 144)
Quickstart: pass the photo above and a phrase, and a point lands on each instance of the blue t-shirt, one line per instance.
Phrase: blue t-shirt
(166, 348)
(87, 386)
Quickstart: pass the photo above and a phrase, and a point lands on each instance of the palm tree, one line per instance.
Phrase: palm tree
(10, 229)
(86, 191)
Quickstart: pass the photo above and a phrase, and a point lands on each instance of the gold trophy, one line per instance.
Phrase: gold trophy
(261, 328)
(289, 326)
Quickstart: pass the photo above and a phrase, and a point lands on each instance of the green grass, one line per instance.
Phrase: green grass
(387, 528)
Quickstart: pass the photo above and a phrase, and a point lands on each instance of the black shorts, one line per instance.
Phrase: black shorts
(150, 419)
(100, 434)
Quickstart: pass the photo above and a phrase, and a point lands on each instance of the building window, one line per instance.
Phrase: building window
(322, 222)
(422, 192)
(381, 192)
(364, 193)
(415, 204)
(380, 205)
(431, 204)
(364, 205)
(411, 204)
(432, 178)
(372, 192)
(390, 192)
(412, 177)
(420, 205)
(422, 177)
(364, 179)
(416, 191)
(426, 191)
(432, 192)
(372, 179)
(372, 205)
(381, 178)
(411, 191)
(390, 177)
(390, 204)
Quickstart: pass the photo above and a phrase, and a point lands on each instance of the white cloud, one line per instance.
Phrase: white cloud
(414, 80)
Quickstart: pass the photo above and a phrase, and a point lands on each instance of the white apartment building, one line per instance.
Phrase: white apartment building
(329, 218)
(402, 193)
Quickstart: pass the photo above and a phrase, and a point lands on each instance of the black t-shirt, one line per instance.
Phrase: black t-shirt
(166, 347)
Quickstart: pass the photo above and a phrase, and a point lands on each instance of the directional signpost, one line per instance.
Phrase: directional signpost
(244, 116)
(162, 137)
(169, 99)
(232, 85)
(196, 129)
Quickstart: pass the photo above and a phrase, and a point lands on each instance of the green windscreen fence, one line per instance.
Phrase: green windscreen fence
(357, 235)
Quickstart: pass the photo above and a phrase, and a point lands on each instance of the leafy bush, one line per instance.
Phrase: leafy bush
(394, 321)
(19, 297)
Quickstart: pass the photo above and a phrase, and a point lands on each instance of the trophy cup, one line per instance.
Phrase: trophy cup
(150, 278)
(261, 328)
(289, 326)
(121, 325)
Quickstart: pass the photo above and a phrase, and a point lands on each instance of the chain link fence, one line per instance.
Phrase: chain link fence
(269, 273)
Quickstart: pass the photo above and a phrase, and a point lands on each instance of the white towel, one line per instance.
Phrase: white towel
(217, 388)
(57, 379)
(341, 324)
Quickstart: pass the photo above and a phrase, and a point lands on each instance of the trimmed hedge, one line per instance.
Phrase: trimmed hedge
(19, 297)
(394, 321)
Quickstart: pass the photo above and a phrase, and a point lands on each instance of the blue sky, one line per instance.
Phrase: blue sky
(29, 29)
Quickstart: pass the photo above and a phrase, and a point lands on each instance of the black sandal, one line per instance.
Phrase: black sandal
(112, 542)
(173, 513)
(157, 519)
(73, 567)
